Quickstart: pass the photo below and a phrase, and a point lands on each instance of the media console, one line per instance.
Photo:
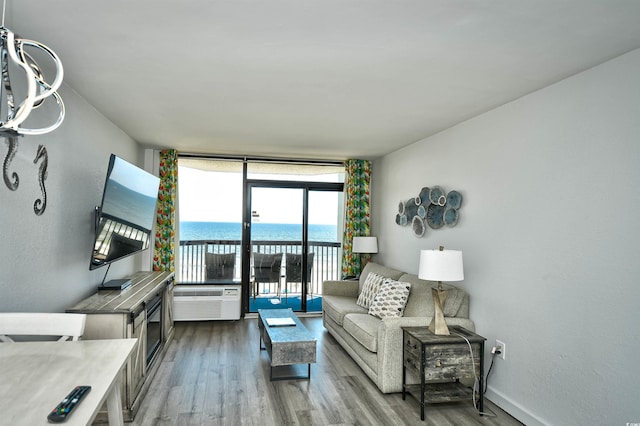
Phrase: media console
(144, 311)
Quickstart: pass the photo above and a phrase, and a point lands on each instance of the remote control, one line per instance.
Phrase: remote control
(66, 406)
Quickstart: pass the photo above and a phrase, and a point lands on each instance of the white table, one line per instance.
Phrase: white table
(36, 376)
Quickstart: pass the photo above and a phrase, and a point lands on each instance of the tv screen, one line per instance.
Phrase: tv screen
(126, 214)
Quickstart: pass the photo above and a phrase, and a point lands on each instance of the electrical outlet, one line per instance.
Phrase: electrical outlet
(503, 348)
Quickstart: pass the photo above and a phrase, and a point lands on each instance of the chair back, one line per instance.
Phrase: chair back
(266, 267)
(293, 267)
(220, 266)
(67, 326)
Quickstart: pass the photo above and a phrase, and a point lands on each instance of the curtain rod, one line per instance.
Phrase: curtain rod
(260, 159)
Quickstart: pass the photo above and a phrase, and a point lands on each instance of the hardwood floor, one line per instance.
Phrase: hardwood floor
(214, 374)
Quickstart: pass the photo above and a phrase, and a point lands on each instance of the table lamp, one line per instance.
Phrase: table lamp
(366, 245)
(440, 265)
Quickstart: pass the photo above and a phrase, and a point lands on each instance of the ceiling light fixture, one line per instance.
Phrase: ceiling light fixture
(13, 50)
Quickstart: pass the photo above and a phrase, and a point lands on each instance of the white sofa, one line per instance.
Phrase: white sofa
(376, 344)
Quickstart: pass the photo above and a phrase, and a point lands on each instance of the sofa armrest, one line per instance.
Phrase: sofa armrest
(340, 288)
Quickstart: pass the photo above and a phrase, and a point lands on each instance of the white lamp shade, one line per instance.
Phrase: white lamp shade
(365, 244)
(441, 265)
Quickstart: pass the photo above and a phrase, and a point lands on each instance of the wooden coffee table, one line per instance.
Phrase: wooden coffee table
(286, 344)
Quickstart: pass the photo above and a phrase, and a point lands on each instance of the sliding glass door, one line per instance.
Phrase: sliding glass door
(324, 247)
(276, 246)
(294, 243)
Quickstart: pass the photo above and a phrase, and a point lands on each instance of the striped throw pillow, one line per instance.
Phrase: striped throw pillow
(369, 289)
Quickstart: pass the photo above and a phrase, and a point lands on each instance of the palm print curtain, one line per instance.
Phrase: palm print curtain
(357, 214)
(164, 249)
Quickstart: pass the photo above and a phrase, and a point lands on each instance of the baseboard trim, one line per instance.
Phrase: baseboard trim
(515, 410)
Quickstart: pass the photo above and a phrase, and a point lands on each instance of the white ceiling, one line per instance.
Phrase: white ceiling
(330, 79)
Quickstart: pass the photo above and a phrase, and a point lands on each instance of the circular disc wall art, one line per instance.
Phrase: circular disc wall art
(433, 208)
(450, 217)
(435, 216)
(436, 196)
(423, 198)
(418, 226)
(454, 200)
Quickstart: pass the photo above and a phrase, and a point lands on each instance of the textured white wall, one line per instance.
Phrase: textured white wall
(44, 260)
(549, 228)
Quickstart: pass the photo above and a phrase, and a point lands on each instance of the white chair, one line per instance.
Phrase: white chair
(68, 326)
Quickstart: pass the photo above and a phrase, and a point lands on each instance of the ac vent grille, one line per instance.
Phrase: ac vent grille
(195, 303)
(203, 292)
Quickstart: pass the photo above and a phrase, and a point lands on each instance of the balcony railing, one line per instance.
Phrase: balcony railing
(326, 260)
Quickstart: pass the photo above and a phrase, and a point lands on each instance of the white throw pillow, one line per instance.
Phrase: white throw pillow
(391, 299)
(369, 289)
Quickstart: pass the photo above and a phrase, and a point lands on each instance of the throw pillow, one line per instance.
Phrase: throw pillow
(391, 299)
(369, 289)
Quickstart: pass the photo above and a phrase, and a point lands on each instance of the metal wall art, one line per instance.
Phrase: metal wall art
(432, 208)
(15, 57)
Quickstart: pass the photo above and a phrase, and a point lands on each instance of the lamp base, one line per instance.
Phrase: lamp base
(438, 325)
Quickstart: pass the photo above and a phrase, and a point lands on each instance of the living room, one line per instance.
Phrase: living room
(535, 239)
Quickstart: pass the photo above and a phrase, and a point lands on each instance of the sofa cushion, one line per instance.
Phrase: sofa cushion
(363, 328)
(369, 289)
(336, 307)
(391, 299)
(378, 269)
(420, 301)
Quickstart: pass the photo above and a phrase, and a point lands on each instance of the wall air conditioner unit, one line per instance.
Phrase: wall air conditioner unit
(203, 302)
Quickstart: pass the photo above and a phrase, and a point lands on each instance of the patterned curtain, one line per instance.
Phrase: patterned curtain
(164, 249)
(357, 214)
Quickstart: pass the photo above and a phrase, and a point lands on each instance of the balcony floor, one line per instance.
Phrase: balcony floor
(266, 301)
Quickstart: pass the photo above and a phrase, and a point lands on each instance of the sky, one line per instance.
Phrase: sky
(217, 197)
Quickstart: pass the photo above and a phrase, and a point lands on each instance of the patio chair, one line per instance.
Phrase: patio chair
(67, 326)
(219, 266)
(266, 269)
(293, 268)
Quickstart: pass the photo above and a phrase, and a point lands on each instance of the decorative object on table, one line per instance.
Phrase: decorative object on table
(440, 265)
(18, 55)
(365, 246)
(433, 208)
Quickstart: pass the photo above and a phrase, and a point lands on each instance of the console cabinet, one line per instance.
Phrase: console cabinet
(143, 311)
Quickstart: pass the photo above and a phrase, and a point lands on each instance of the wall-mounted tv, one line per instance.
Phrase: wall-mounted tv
(126, 215)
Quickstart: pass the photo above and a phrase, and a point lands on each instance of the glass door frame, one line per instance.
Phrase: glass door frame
(246, 228)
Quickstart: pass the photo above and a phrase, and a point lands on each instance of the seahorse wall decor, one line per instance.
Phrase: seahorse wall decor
(41, 203)
(432, 207)
(12, 180)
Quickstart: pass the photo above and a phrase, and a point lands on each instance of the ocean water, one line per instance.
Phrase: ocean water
(259, 231)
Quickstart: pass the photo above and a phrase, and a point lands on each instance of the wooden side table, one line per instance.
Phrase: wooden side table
(440, 362)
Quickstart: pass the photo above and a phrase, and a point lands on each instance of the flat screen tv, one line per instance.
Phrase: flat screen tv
(126, 215)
